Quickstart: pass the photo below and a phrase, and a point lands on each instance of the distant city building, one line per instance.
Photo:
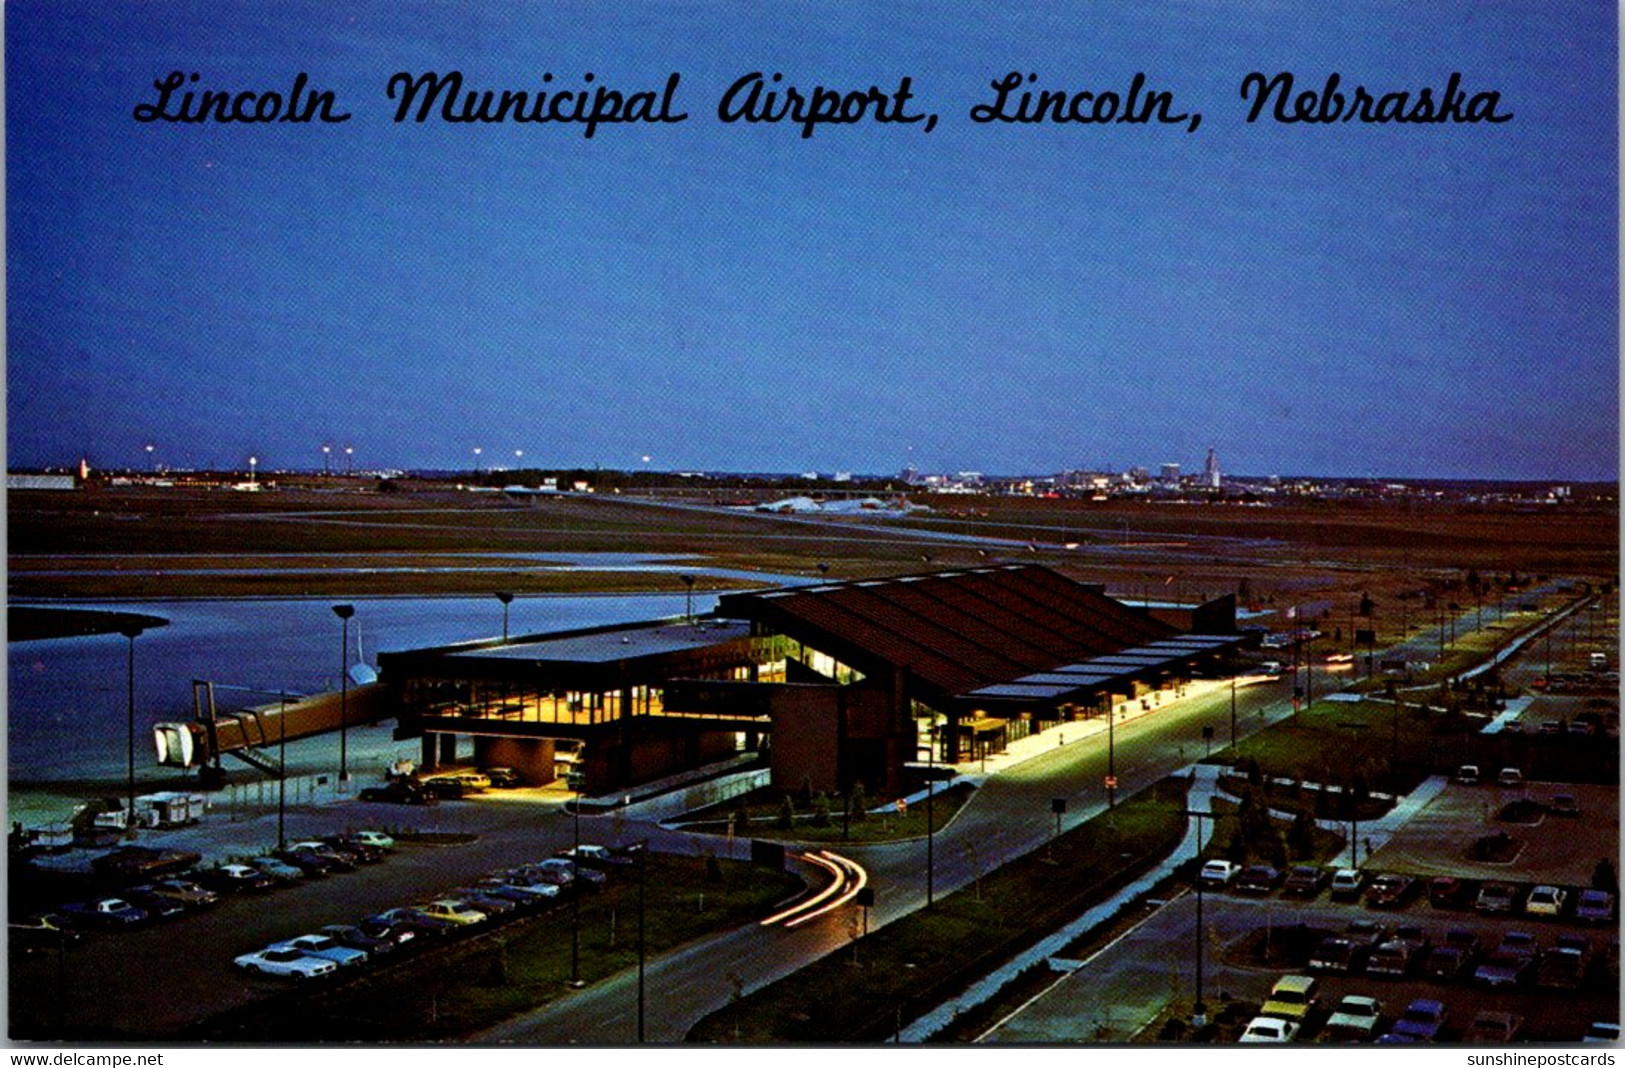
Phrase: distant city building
(40, 482)
(1170, 472)
(1210, 473)
(911, 474)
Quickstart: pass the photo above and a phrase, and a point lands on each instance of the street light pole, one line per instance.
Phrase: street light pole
(506, 599)
(575, 900)
(344, 612)
(643, 859)
(1199, 1016)
(1111, 755)
(1232, 715)
(131, 631)
(930, 822)
(688, 603)
(282, 772)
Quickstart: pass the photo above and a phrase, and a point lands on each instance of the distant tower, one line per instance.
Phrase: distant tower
(1170, 472)
(1210, 473)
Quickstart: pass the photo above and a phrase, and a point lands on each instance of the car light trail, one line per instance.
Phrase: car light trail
(847, 879)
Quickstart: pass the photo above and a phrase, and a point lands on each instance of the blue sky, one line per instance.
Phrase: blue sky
(1353, 299)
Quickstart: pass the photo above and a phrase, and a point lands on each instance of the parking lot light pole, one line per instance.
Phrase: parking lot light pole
(1232, 715)
(282, 772)
(930, 823)
(344, 612)
(643, 859)
(131, 631)
(575, 900)
(1199, 1015)
(506, 598)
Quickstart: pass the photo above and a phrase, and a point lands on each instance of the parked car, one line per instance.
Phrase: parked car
(187, 893)
(1594, 906)
(1354, 1019)
(520, 896)
(1347, 884)
(320, 945)
(1292, 997)
(503, 778)
(1563, 967)
(1422, 1020)
(353, 849)
(1496, 897)
(375, 839)
(1495, 1028)
(1218, 874)
(1446, 891)
(1269, 1030)
(1546, 901)
(1304, 881)
(530, 884)
(280, 870)
(1563, 805)
(373, 945)
(493, 905)
(237, 879)
(453, 911)
(382, 924)
(155, 906)
(1390, 890)
(398, 792)
(314, 865)
(1257, 879)
(1453, 957)
(112, 912)
(596, 856)
(292, 963)
(337, 859)
(1511, 778)
(1393, 959)
(1504, 968)
(591, 878)
(1467, 775)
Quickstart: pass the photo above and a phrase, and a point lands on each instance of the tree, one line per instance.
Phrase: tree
(1301, 837)
(820, 811)
(856, 803)
(787, 813)
(1603, 877)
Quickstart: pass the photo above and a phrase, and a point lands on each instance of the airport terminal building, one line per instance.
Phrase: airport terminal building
(840, 682)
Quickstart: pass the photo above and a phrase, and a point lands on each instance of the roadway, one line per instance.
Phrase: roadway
(1010, 815)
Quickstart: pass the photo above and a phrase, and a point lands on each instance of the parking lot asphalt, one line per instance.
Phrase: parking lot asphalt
(1124, 987)
(158, 979)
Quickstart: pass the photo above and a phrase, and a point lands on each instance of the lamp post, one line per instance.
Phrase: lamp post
(327, 459)
(282, 771)
(506, 598)
(344, 612)
(349, 459)
(131, 631)
(477, 451)
(1111, 754)
(642, 860)
(688, 609)
(150, 466)
(1199, 1016)
(518, 457)
(575, 901)
(253, 470)
(930, 823)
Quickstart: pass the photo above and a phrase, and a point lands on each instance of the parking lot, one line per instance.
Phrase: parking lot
(1124, 989)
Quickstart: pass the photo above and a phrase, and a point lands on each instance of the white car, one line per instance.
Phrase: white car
(1354, 1019)
(375, 839)
(293, 963)
(322, 946)
(1545, 901)
(1267, 1029)
(1217, 874)
(1347, 882)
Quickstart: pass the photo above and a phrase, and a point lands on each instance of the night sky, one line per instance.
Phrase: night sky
(1354, 299)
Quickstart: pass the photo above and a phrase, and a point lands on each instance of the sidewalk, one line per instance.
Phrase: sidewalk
(1204, 778)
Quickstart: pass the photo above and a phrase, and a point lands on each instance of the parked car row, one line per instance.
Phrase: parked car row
(201, 888)
(444, 787)
(1517, 961)
(1396, 890)
(1293, 1010)
(503, 894)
